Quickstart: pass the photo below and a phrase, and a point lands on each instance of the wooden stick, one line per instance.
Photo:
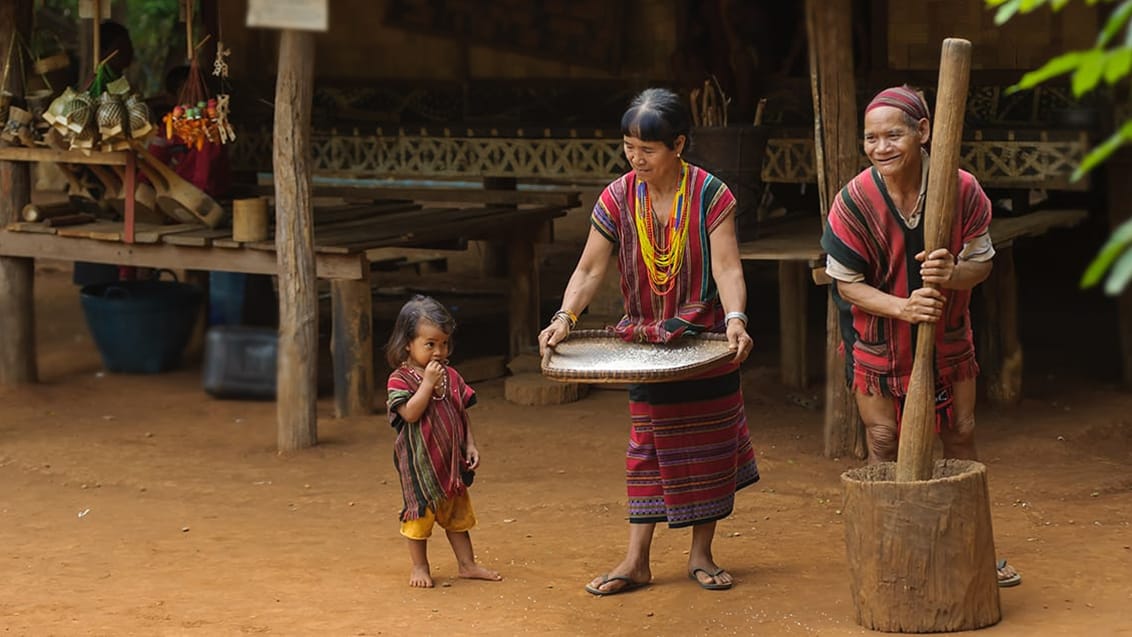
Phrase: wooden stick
(69, 220)
(96, 6)
(914, 459)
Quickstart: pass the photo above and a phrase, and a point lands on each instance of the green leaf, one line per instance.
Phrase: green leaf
(1116, 244)
(1115, 23)
(1118, 65)
(1029, 5)
(1059, 65)
(1088, 73)
(1057, 5)
(1119, 276)
(1102, 152)
(1006, 11)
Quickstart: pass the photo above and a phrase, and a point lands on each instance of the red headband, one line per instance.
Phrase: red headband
(903, 98)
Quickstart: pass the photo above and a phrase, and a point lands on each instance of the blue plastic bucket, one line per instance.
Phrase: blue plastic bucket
(140, 327)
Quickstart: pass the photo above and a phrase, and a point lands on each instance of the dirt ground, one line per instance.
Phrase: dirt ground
(137, 505)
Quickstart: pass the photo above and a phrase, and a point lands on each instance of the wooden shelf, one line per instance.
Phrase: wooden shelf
(23, 153)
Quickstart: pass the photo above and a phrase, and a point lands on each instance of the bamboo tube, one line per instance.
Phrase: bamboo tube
(249, 219)
(45, 211)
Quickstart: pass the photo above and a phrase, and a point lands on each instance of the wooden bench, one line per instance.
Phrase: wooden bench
(345, 239)
(796, 247)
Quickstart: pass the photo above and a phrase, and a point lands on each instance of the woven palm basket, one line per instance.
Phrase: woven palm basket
(599, 356)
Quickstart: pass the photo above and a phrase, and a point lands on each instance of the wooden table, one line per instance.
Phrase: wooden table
(342, 236)
(796, 247)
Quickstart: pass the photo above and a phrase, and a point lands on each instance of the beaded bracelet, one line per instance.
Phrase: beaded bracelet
(735, 315)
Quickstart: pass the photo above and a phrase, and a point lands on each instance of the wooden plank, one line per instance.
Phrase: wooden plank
(327, 233)
(459, 222)
(100, 230)
(31, 226)
(25, 154)
(560, 198)
(1004, 229)
(200, 238)
(349, 213)
(802, 241)
(152, 233)
(165, 255)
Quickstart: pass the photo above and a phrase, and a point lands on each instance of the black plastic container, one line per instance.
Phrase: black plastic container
(239, 362)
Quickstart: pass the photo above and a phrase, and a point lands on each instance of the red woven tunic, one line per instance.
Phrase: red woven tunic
(429, 454)
(866, 233)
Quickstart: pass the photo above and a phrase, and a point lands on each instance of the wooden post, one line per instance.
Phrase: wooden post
(793, 281)
(351, 345)
(1000, 350)
(202, 280)
(17, 275)
(914, 457)
(523, 293)
(129, 189)
(296, 378)
(837, 156)
(493, 259)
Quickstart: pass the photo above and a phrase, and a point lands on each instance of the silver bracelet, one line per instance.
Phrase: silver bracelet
(735, 315)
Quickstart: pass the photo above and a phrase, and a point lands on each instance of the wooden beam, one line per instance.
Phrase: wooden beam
(17, 275)
(58, 156)
(562, 198)
(296, 380)
(523, 296)
(167, 255)
(1000, 350)
(351, 346)
(793, 283)
(830, 34)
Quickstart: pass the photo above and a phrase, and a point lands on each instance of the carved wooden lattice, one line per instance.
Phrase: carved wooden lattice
(1038, 160)
(441, 156)
(1011, 160)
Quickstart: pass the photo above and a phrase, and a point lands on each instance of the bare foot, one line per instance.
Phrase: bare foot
(475, 571)
(419, 577)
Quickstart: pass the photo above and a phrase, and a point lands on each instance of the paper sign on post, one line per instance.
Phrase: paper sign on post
(301, 15)
(86, 9)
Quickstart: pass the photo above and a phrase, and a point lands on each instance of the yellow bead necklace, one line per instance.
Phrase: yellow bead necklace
(663, 262)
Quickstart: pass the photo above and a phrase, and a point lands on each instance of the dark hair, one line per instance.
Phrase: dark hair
(657, 115)
(419, 308)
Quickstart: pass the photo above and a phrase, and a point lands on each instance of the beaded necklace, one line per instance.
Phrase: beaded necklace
(663, 262)
(440, 391)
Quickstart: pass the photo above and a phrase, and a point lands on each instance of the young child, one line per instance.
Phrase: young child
(435, 453)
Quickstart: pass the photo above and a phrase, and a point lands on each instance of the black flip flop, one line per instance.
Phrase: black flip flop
(630, 584)
(711, 586)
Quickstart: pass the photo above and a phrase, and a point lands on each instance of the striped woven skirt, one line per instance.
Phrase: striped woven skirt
(689, 450)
